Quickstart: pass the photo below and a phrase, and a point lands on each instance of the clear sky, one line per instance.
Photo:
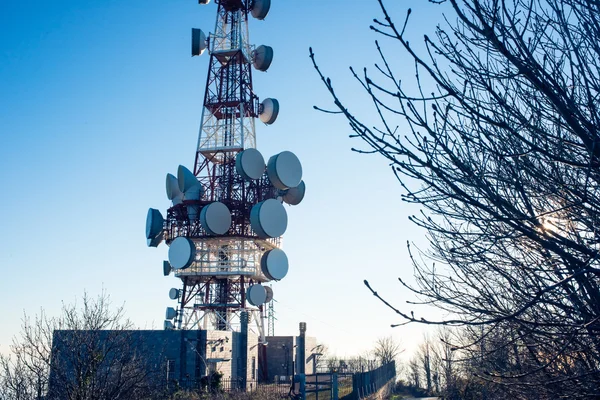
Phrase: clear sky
(100, 99)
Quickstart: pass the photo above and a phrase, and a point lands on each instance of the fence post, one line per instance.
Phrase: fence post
(302, 382)
(242, 367)
(334, 386)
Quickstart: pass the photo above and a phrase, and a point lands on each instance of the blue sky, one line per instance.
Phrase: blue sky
(100, 99)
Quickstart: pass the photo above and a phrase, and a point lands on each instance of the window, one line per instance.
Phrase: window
(253, 368)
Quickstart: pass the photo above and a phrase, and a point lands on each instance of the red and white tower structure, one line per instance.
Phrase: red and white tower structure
(227, 216)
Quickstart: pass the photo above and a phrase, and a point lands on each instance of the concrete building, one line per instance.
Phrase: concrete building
(182, 358)
(282, 357)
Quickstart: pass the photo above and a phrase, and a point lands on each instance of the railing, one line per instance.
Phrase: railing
(348, 386)
(367, 383)
(208, 385)
(320, 386)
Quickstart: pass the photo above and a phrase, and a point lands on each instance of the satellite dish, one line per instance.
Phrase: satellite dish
(215, 218)
(178, 200)
(269, 109)
(166, 268)
(188, 184)
(156, 241)
(172, 185)
(181, 253)
(274, 264)
(154, 223)
(284, 170)
(250, 164)
(262, 57)
(174, 294)
(269, 294)
(169, 326)
(198, 42)
(256, 295)
(260, 8)
(268, 219)
(203, 1)
(170, 313)
(294, 195)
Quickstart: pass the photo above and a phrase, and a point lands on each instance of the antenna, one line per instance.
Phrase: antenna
(227, 213)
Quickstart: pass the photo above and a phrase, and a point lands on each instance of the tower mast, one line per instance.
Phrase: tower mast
(227, 216)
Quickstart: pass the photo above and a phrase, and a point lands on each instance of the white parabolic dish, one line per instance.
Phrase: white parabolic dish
(170, 313)
(250, 164)
(284, 170)
(294, 195)
(172, 185)
(166, 268)
(268, 219)
(274, 264)
(256, 295)
(188, 184)
(270, 111)
(215, 218)
(154, 223)
(260, 9)
(269, 294)
(198, 41)
(155, 241)
(181, 253)
(263, 56)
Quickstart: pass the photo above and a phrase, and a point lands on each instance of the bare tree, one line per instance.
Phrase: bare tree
(500, 145)
(386, 350)
(424, 356)
(85, 353)
(414, 372)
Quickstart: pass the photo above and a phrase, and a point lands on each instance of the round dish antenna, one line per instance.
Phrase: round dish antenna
(260, 8)
(172, 186)
(199, 42)
(215, 218)
(203, 2)
(170, 313)
(293, 196)
(181, 253)
(269, 291)
(174, 294)
(188, 184)
(274, 264)
(262, 57)
(168, 325)
(166, 268)
(284, 170)
(268, 219)
(154, 242)
(250, 164)
(269, 110)
(154, 223)
(256, 295)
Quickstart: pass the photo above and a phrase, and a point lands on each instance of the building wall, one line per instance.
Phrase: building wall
(281, 356)
(178, 356)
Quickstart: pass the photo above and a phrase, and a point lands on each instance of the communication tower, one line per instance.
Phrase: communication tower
(227, 217)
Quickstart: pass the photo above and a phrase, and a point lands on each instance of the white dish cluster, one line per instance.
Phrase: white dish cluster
(268, 218)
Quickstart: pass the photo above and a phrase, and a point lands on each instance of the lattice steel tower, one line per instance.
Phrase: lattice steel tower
(227, 216)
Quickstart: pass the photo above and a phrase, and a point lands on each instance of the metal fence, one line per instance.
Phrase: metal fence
(367, 383)
(320, 386)
(211, 385)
